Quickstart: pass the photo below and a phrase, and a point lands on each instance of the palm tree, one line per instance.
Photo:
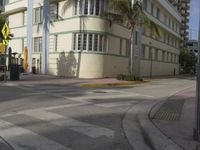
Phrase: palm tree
(132, 14)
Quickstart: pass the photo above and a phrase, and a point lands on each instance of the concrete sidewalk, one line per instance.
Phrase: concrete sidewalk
(33, 79)
(175, 118)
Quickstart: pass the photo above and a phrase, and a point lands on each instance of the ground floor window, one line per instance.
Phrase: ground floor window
(88, 42)
(37, 44)
(152, 53)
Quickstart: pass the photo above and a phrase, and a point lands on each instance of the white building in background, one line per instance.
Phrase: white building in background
(192, 46)
(83, 44)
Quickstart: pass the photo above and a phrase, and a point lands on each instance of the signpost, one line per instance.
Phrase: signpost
(5, 31)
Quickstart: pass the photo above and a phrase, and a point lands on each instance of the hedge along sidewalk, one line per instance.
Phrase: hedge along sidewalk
(112, 84)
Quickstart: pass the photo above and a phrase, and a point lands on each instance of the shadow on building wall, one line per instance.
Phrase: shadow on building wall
(67, 65)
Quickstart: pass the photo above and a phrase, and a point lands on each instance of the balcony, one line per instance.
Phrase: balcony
(184, 20)
(171, 9)
(184, 27)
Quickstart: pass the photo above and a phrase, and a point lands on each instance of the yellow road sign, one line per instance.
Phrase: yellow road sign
(2, 48)
(5, 42)
(5, 31)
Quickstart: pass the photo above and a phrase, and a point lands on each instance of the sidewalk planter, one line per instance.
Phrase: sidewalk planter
(14, 72)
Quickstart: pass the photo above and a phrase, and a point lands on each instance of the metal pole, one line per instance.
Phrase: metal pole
(29, 34)
(45, 39)
(151, 65)
(197, 129)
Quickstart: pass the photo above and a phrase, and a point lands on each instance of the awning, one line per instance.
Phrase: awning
(13, 11)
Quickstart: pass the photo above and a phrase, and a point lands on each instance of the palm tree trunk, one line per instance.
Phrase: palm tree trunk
(131, 54)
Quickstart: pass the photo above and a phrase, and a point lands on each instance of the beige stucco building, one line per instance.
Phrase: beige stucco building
(83, 44)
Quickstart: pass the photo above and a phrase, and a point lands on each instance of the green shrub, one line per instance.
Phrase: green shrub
(121, 77)
(128, 77)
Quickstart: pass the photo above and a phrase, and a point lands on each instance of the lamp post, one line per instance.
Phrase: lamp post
(29, 34)
(45, 39)
(197, 127)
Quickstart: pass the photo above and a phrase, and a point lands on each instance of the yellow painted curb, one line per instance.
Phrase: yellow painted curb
(113, 84)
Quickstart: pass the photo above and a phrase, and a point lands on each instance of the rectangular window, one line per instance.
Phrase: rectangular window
(101, 43)
(38, 15)
(95, 42)
(75, 41)
(38, 44)
(145, 4)
(156, 54)
(97, 7)
(84, 42)
(25, 18)
(92, 7)
(86, 7)
(55, 42)
(158, 14)
(143, 51)
(90, 42)
(127, 48)
(136, 37)
(152, 8)
(163, 56)
(54, 11)
(79, 42)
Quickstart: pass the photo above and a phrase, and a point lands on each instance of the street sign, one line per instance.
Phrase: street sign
(2, 48)
(5, 31)
(5, 42)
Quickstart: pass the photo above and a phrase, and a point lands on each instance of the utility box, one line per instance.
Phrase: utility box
(14, 72)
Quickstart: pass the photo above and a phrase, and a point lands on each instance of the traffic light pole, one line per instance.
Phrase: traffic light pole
(197, 127)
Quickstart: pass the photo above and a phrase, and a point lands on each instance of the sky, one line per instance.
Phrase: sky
(194, 19)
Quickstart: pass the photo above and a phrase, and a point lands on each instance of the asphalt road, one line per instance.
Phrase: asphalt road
(67, 117)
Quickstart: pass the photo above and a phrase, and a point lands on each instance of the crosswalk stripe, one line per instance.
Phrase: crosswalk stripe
(112, 96)
(90, 130)
(116, 104)
(23, 139)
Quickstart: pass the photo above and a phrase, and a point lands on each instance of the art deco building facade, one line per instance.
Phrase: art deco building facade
(83, 44)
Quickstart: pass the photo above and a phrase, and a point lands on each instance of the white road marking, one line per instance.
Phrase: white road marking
(116, 104)
(43, 109)
(109, 96)
(23, 139)
(90, 130)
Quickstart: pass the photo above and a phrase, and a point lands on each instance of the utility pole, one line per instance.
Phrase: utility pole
(45, 38)
(29, 34)
(197, 127)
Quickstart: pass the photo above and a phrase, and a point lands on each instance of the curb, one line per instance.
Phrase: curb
(128, 83)
(140, 131)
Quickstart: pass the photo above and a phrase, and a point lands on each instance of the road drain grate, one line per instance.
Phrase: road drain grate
(170, 110)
